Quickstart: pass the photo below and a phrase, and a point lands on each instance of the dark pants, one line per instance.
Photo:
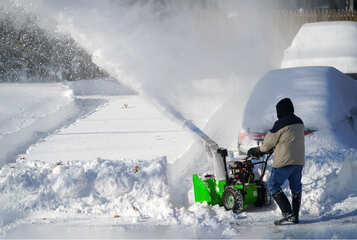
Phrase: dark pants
(279, 175)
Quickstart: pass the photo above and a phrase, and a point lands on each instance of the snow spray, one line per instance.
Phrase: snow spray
(202, 57)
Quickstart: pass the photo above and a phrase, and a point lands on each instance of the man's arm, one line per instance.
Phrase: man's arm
(270, 141)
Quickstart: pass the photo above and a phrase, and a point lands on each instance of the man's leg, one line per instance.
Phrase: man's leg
(277, 178)
(296, 190)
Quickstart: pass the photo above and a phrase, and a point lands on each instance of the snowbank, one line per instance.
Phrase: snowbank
(328, 177)
(125, 188)
(28, 112)
(324, 44)
(323, 97)
(131, 191)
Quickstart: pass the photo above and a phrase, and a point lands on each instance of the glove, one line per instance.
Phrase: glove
(255, 152)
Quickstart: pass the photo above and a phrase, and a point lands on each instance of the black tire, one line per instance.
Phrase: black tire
(264, 196)
(232, 199)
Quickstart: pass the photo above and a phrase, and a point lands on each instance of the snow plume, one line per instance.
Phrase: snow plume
(185, 52)
(202, 57)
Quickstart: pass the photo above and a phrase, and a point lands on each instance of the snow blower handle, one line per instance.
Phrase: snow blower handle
(267, 157)
(265, 162)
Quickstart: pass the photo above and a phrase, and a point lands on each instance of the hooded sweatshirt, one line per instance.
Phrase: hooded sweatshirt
(286, 138)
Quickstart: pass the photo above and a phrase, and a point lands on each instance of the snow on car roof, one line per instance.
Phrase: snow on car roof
(324, 44)
(323, 97)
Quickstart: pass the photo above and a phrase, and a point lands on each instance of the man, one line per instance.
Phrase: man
(286, 139)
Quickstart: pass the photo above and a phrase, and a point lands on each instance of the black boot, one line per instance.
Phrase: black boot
(296, 202)
(284, 205)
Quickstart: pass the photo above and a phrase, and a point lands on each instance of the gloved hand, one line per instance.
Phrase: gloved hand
(255, 152)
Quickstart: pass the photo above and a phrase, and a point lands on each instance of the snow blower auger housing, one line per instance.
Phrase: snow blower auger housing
(240, 187)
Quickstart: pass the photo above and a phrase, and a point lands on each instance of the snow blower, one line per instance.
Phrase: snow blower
(234, 189)
(239, 188)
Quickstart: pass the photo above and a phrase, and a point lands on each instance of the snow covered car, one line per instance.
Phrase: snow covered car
(324, 44)
(323, 97)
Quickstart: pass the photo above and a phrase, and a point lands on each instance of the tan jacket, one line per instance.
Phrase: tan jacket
(288, 144)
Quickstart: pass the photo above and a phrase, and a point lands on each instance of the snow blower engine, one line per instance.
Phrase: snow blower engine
(236, 186)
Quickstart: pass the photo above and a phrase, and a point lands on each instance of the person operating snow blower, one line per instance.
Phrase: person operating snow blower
(286, 140)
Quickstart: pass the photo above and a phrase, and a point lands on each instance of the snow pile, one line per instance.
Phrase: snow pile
(329, 177)
(129, 189)
(103, 86)
(323, 97)
(209, 219)
(30, 111)
(324, 44)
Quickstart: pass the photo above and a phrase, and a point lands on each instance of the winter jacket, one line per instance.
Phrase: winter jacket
(286, 137)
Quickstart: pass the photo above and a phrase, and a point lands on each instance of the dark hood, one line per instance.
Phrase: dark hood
(284, 108)
(286, 116)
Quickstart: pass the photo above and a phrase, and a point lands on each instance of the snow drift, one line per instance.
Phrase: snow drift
(131, 191)
(324, 44)
(97, 187)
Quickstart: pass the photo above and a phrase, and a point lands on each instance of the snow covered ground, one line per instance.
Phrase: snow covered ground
(107, 176)
(30, 112)
(99, 135)
(90, 161)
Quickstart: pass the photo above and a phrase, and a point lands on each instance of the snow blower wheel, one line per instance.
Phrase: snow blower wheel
(232, 199)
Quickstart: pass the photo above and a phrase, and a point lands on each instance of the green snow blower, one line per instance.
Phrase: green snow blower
(234, 189)
(240, 187)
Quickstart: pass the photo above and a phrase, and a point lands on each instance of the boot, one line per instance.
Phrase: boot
(283, 203)
(296, 202)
